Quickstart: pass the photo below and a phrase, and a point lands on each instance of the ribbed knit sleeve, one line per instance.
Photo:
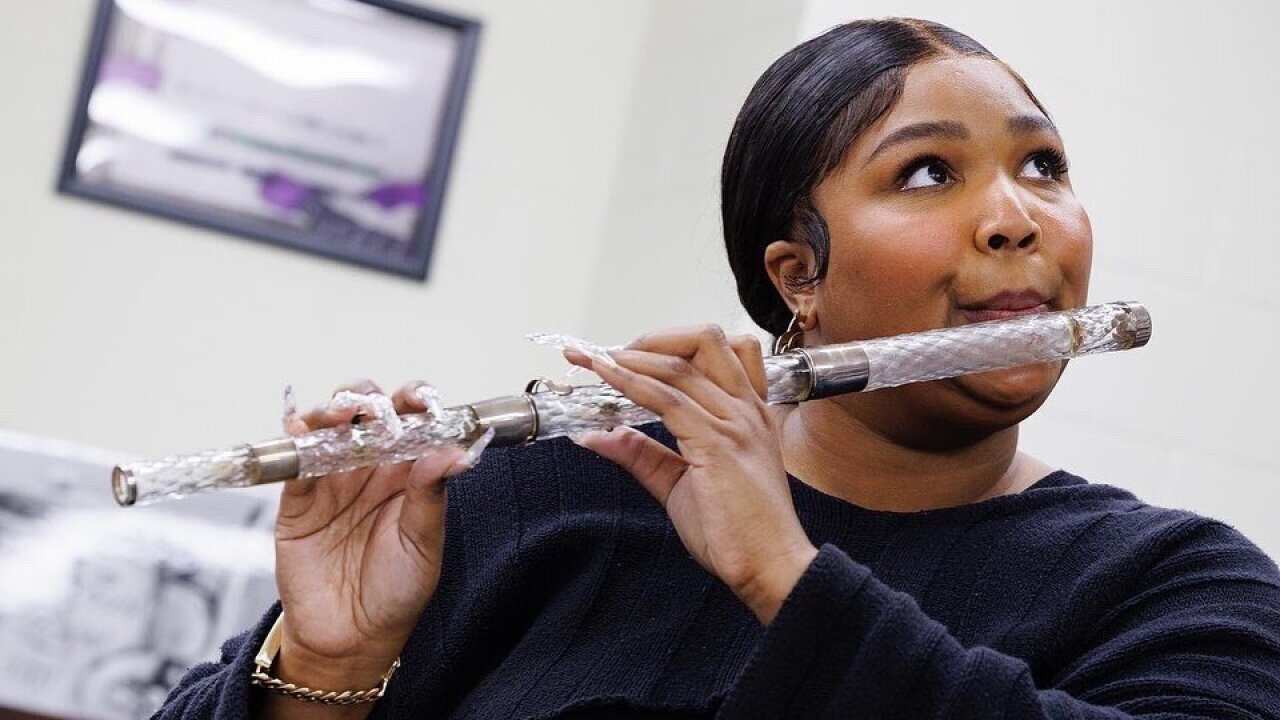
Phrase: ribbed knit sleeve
(1197, 635)
(220, 690)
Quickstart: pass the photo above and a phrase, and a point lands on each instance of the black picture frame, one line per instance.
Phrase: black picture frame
(412, 262)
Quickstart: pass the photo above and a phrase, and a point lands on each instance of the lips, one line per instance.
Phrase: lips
(1011, 303)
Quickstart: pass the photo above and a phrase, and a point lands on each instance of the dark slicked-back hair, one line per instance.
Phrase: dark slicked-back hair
(795, 128)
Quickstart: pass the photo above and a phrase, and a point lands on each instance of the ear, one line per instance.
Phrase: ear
(786, 262)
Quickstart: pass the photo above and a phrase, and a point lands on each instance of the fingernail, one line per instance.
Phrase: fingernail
(567, 343)
(430, 397)
(606, 359)
(386, 410)
(581, 436)
(344, 399)
(290, 407)
(472, 455)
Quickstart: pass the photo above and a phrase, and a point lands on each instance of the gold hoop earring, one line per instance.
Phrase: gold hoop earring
(792, 338)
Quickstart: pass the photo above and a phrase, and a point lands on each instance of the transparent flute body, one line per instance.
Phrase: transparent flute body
(796, 376)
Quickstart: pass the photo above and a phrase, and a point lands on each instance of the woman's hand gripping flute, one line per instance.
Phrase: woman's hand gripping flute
(726, 491)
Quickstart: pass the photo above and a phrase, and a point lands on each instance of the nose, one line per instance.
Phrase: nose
(1006, 226)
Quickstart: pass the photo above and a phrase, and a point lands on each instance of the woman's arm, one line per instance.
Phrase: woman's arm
(220, 689)
(1199, 638)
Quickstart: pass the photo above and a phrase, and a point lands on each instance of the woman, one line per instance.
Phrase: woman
(882, 555)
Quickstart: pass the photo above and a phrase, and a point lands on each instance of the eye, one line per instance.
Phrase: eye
(1046, 164)
(927, 172)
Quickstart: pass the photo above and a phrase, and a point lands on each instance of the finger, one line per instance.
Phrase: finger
(682, 375)
(751, 355)
(415, 397)
(427, 472)
(431, 398)
(294, 493)
(376, 405)
(685, 418)
(577, 345)
(295, 426)
(422, 515)
(579, 358)
(363, 386)
(472, 454)
(328, 415)
(707, 348)
(655, 466)
(347, 407)
(670, 369)
(289, 417)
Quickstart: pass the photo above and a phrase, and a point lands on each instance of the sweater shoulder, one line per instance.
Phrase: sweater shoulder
(1176, 541)
(1155, 531)
(1137, 562)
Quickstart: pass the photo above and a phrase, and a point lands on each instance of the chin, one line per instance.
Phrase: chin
(1010, 395)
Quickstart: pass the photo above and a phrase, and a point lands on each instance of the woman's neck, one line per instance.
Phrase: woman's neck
(828, 448)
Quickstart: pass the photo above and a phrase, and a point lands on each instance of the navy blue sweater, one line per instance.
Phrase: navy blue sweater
(567, 594)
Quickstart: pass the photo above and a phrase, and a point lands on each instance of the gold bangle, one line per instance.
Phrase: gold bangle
(267, 655)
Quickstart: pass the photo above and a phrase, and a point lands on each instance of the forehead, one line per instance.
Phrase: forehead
(972, 90)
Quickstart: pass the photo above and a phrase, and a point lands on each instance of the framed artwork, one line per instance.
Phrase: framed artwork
(326, 126)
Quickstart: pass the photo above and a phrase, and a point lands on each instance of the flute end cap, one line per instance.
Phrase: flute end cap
(123, 486)
(1141, 318)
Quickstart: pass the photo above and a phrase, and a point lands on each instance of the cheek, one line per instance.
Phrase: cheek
(892, 268)
(1072, 246)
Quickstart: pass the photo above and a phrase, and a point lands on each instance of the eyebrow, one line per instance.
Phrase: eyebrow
(1026, 124)
(915, 131)
(1017, 125)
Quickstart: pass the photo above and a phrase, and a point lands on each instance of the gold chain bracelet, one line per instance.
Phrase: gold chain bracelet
(267, 655)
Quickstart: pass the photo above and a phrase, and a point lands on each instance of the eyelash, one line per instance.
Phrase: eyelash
(1057, 161)
(915, 164)
(1057, 165)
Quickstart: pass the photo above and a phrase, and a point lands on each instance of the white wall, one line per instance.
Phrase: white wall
(136, 334)
(1168, 114)
(663, 240)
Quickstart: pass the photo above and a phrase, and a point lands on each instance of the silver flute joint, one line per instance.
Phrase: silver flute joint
(835, 370)
(276, 460)
(514, 419)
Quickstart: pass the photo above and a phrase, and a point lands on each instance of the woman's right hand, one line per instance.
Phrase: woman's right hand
(358, 555)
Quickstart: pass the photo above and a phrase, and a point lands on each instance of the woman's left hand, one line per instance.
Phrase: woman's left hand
(726, 491)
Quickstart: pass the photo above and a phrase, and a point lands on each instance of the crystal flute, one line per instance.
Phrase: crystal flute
(546, 410)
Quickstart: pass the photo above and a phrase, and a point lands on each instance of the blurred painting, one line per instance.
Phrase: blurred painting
(321, 125)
